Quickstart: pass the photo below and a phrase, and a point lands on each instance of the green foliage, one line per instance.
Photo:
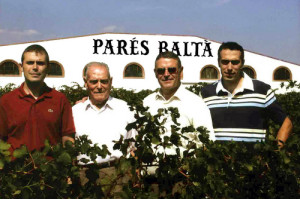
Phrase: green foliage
(290, 102)
(214, 170)
(7, 88)
(131, 97)
(74, 92)
(196, 88)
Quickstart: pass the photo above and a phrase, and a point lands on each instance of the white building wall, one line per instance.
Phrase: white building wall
(75, 53)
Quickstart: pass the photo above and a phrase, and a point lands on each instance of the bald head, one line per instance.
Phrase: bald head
(95, 64)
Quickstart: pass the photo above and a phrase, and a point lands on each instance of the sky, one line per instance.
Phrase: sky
(268, 27)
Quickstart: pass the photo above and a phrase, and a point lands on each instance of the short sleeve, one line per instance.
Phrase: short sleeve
(68, 127)
(203, 118)
(131, 133)
(273, 109)
(3, 122)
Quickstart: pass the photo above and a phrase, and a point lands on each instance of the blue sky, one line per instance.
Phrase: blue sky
(269, 27)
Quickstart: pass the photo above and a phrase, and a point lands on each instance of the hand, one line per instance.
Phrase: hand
(82, 100)
(280, 143)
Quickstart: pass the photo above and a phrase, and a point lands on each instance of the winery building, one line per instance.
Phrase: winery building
(130, 58)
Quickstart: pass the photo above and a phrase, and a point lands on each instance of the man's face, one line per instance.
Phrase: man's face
(230, 64)
(34, 67)
(168, 74)
(98, 84)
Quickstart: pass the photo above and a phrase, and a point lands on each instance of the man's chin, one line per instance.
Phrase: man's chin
(168, 84)
(34, 80)
(98, 99)
(230, 78)
(169, 88)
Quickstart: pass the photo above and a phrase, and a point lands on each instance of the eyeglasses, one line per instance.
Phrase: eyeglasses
(171, 70)
(233, 62)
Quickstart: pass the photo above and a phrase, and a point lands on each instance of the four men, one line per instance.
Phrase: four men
(240, 105)
(34, 112)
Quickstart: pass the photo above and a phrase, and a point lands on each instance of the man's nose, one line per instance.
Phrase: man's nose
(229, 66)
(35, 66)
(166, 72)
(99, 85)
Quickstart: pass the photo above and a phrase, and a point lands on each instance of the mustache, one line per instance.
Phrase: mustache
(99, 91)
(35, 73)
(167, 78)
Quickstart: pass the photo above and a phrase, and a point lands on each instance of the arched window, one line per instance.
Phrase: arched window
(209, 72)
(56, 69)
(10, 68)
(249, 71)
(282, 74)
(133, 70)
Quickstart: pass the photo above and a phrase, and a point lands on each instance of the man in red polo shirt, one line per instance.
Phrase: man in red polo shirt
(34, 112)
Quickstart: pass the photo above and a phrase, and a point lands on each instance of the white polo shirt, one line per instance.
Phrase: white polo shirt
(103, 126)
(192, 109)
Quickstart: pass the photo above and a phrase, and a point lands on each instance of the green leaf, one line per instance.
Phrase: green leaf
(68, 144)
(26, 193)
(286, 160)
(125, 165)
(5, 153)
(64, 158)
(17, 192)
(197, 184)
(4, 145)
(44, 167)
(1, 164)
(84, 147)
(155, 140)
(47, 147)
(20, 152)
(249, 167)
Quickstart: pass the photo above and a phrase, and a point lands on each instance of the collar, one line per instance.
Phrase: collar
(246, 84)
(46, 92)
(178, 95)
(109, 104)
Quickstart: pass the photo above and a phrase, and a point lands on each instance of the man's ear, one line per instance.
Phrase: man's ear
(111, 80)
(48, 69)
(155, 73)
(219, 64)
(85, 82)
(21, 64)
(181, 72)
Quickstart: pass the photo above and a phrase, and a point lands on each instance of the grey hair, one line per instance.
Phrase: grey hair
(86, 67)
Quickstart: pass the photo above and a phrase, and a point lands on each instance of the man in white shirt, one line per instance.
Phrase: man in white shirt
(101, 117)
(191, 107)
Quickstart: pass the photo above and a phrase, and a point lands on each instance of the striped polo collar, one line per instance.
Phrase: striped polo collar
(247, 84)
